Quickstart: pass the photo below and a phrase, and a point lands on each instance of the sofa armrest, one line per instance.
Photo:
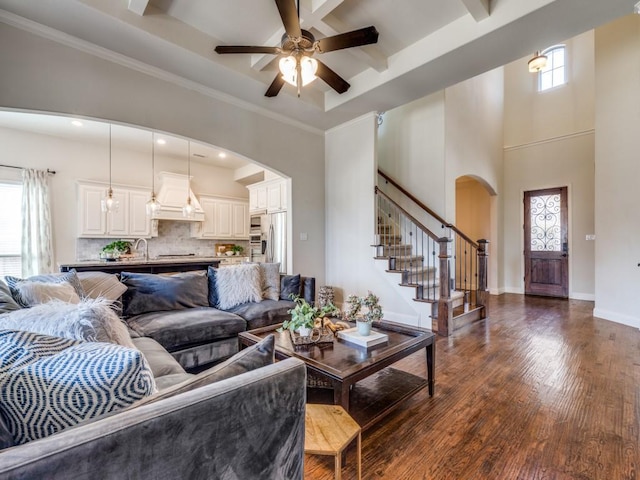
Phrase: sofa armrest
(248, 426)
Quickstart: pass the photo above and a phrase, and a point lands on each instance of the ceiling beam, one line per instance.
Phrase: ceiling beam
(138, 6)
(479, 9)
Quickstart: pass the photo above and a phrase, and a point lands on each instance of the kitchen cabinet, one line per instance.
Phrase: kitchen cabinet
(224, 218)
(130, 219)
(269, 196)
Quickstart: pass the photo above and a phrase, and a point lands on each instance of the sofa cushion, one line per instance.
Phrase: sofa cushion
(34, 293)
(266, 312)
(147, 292)
(236, 284)
(48, 383)
(101, 284)
(168, 381)
(251, 358)
(90, 320)
(290, 286)
(270, 281)
(70, 277)
(213, 293)
(176, 329)
(7, 303)
(160, 361)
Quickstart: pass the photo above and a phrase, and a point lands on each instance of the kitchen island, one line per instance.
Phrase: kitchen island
(152, 265)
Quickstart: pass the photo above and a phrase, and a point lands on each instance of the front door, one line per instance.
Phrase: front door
(546, 246)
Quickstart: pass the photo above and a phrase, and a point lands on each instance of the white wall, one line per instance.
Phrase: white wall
(41, 75)
(549, 143)
(350, 179)
(617, 144)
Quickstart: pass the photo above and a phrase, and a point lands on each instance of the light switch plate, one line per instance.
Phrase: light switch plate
(304, 237)
(591, 237)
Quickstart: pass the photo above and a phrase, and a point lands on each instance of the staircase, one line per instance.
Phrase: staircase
(444, 275)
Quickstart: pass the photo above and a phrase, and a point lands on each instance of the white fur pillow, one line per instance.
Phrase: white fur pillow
(90, 320)
(237, 284)
(270, 280)
(34, 293)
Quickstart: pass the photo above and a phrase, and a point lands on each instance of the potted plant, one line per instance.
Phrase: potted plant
(303, 317)
(372, 312)
(113, 250)
(237, 249)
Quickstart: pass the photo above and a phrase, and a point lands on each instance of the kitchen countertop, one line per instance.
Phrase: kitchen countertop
(140, 265)
(141, 261)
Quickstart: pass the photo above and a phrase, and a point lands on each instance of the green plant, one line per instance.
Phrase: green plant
(355, 305)
(237, 249)
(302, 315)
(122, 246)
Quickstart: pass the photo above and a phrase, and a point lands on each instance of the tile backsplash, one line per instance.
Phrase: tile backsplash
(174, 238)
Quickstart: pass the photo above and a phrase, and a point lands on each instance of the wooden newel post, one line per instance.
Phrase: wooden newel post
(482, 294)
(445, 306)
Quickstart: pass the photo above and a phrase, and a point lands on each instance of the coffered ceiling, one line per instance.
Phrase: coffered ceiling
(424, 45)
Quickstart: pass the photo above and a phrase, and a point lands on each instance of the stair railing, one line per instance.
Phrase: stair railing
(470, 265)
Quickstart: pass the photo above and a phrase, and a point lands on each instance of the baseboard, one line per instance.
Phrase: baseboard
(496, 291)
(513, 290)
(582, 296)
(617, 317)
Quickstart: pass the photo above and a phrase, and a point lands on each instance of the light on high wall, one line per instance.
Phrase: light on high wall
(537, 63)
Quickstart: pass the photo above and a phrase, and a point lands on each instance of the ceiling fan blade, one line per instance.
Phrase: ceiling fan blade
(331, 78)
(355, 38)
(289, 16)
(246, 49)
(275, 86)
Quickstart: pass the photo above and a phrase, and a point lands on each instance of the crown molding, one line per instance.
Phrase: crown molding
(128, 62)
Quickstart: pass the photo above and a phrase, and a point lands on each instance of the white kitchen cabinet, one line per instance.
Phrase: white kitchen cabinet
(224, 218)
(270, 196)
(130, 219)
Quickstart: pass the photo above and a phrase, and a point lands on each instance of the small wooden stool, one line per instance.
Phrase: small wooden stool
(328, 431)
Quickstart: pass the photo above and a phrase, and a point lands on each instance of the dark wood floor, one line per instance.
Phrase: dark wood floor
(540, 390)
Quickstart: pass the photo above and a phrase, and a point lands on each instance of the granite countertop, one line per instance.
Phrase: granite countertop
(142, 261)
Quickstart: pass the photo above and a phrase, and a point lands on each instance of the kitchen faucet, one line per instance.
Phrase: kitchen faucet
(146, 247)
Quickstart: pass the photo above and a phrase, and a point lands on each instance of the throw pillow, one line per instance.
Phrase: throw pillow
(7, 303)
(147, 292)
(213, 293)
(270, 280)
(237, 284)
(290, 285)
(101, 284)
(48, 384)
(90, 320)
(34, 293)
(70, 277)
(251, 358)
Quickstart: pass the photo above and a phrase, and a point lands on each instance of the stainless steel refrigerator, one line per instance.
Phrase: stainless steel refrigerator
(275, 227)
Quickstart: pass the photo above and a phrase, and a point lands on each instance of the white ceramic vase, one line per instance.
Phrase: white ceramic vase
(304, 331)
(364, 328)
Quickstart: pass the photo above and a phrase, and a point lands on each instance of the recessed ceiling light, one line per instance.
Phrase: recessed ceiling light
(76, 123)
(222, 155)
(161, 141)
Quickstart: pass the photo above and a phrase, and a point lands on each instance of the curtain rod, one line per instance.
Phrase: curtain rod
(50, 172)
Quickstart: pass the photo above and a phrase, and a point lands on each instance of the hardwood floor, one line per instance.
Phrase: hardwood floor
(540, 390)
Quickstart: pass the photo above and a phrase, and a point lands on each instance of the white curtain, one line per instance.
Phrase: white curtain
(37, 244)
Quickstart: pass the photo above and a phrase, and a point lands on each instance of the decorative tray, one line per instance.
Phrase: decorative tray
(318, 335)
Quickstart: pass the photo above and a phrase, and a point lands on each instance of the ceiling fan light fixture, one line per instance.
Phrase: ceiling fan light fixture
(537, 63)
(288, 68)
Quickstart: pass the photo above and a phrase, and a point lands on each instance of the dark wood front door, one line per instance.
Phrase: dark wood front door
(546, 246)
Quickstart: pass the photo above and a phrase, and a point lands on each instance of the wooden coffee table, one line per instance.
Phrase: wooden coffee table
(361, 380)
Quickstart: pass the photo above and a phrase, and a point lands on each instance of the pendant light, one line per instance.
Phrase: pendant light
(537, 63)
(108, 203)
(188, 210)
(153, 205)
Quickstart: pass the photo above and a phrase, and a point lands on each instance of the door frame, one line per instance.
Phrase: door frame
(569, 231)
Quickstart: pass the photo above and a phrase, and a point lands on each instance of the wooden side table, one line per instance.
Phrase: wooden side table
(328, 431)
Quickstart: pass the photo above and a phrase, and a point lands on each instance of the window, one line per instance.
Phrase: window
(10, 229)
(554, 72)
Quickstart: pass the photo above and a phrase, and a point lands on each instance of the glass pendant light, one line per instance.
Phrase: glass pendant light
(108, 203)
(153, 205)
(188, 210)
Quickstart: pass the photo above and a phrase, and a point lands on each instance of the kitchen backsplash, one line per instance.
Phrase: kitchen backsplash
(174, 238)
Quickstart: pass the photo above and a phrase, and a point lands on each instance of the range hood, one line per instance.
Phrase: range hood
(172, 196)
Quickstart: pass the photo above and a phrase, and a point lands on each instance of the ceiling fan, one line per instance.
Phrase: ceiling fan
(297, 65)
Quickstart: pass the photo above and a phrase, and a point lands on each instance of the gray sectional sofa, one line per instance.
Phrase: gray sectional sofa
(240, 419)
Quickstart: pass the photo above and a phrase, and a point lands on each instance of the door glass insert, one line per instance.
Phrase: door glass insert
(546, 224)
